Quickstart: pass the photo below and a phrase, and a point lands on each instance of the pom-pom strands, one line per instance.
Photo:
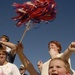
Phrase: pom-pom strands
(37, 11)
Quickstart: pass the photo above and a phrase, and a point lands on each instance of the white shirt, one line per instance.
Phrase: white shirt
(9, 69)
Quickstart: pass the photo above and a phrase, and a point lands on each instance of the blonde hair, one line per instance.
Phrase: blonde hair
(66, 64)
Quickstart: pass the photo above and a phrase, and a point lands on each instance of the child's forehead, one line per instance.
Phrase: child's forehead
(57, 62)
(3, 52)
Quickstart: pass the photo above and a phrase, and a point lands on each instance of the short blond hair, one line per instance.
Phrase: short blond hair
(66, 64)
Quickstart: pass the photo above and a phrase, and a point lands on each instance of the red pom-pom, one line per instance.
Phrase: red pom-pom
(36, 11)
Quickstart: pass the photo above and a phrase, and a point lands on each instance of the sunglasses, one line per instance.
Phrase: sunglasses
(21, 69)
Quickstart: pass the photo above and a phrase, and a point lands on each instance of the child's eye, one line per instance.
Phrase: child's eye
(58, 67)
(50, 67)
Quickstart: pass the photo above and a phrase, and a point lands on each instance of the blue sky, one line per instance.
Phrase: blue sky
(36, 41)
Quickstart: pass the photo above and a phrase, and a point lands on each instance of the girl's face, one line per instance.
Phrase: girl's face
(2, 57)
(56, 67)
(53, 46)
(53, 49)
